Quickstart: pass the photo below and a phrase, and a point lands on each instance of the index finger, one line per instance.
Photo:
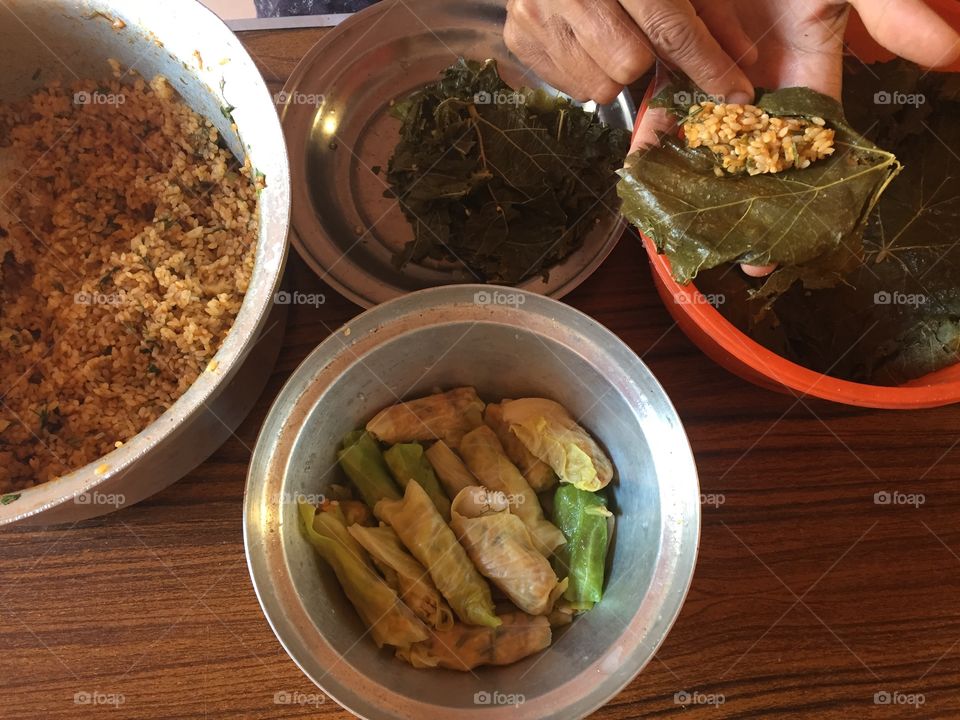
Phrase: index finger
(679, 36)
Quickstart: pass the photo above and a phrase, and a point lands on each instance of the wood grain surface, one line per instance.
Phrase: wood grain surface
(810, 600)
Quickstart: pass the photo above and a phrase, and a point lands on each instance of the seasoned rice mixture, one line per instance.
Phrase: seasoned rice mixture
(746, 139)
(127, 241)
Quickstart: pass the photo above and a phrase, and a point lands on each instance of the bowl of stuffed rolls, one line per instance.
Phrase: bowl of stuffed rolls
(472, 500)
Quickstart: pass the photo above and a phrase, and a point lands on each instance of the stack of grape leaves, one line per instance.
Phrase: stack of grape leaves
(507, 182)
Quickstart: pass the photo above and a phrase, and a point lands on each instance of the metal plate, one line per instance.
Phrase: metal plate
(334, 114)
(470, 335)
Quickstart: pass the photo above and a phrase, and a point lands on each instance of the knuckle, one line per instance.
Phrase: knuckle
(563, 33)
(512, 37)
(673, 33)
(524, 12)
(522, 44)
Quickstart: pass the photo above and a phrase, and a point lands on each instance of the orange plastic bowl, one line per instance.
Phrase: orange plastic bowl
(738, 353)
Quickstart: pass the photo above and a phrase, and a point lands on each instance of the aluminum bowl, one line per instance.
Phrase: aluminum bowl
(44, 40)
(506, 343)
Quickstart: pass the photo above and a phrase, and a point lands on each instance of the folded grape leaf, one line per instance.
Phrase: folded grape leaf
(897, 315)
(809, 221)
(507, 182)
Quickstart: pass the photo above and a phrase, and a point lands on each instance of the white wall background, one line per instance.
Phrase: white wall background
(232, 9)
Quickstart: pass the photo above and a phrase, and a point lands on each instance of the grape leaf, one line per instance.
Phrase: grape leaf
(809, 221)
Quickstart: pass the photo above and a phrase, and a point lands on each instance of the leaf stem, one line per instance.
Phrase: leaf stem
(475, 119)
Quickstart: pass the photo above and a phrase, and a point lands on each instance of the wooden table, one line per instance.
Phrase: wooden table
(809, 598)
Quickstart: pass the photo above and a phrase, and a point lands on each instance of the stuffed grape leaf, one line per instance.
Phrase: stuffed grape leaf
(810, 221)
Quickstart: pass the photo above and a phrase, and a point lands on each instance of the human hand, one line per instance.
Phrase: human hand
(800, 44)
(593, 48)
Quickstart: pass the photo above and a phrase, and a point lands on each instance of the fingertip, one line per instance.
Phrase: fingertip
(732, 87)
(740, 97)
(758, 271)
(741, 90)
(607, 95)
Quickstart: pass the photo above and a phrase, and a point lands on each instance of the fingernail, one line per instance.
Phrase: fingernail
(739, 98)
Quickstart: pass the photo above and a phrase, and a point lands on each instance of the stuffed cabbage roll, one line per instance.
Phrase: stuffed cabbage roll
(430, 540)
(361, 460)
(329, 520)
(486, 459)
(536, 472)
(465, 647)
(412, 581)
(390, 621)
(448, 466)
(501, 548)
(584, 518)
(406, 463)
(447, 416)
(549, 432)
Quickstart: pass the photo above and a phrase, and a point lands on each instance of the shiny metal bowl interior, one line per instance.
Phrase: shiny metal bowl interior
(507, 344)
(338, 128)
(43, 40)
